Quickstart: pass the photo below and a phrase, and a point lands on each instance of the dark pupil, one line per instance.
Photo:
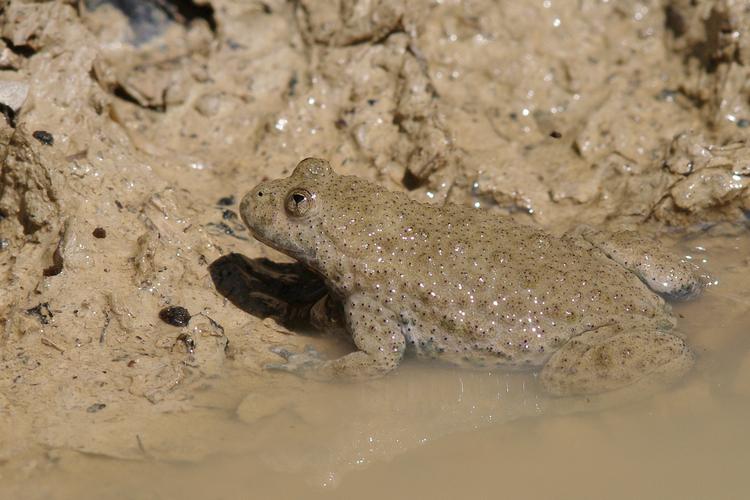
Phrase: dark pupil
(298, 198)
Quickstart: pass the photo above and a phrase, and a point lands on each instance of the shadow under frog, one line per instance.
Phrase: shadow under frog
(288, 292)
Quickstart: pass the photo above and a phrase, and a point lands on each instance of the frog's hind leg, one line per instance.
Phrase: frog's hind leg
(661, 271)
(609, 358)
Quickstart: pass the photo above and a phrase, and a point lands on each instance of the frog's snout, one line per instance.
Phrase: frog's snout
(247, 208)
(251, 207)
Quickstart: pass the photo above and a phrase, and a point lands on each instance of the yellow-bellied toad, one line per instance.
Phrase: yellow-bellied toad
(473, 287)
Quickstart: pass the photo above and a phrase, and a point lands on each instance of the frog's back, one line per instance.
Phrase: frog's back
(464, 279)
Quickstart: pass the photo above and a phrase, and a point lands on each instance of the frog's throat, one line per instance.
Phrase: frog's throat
(271, 243)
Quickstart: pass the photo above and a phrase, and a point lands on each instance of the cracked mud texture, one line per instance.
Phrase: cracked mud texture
(608, 113)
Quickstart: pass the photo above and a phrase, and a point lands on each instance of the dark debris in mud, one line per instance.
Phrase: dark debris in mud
(42, 312)
(44, 137)
(175, 316)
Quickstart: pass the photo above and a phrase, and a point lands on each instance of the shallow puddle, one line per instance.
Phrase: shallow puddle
(439, 432)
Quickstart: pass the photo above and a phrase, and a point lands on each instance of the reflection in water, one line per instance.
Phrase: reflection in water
(328, 430)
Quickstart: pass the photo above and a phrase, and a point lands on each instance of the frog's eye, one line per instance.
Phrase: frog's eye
(299, 202)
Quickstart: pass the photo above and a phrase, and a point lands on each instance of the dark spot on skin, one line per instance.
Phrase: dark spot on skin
(175, 315)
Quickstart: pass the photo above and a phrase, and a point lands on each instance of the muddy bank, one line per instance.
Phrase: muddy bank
(127, 140)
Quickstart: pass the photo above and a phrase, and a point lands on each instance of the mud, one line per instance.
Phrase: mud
(126, 141)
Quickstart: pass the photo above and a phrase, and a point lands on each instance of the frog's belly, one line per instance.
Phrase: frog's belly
(473, 353)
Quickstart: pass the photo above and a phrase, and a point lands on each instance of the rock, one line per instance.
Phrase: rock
(13, 94)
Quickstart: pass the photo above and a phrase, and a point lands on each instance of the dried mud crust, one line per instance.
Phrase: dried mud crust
(123, 152)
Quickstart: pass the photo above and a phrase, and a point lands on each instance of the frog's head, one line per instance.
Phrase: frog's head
(311, 215)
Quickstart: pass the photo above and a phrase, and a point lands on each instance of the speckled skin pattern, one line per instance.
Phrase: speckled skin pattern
(472, 287)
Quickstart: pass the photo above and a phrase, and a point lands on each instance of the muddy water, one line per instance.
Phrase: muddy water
(443, 433)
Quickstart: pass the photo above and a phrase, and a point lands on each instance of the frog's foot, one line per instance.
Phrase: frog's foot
(662, 272)
(609, 358)
(299, 363)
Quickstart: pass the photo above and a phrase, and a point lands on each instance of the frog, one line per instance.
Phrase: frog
(585, 311)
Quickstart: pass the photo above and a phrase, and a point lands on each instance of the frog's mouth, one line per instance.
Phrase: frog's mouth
(259, 231)
(297, 256)
(255, 221)
(256, 215)
(271, 240)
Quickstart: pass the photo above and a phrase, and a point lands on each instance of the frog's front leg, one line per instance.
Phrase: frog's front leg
(377, 335)
(661, 271)
(609, 358)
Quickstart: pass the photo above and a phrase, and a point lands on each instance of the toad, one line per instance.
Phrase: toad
(474, 288)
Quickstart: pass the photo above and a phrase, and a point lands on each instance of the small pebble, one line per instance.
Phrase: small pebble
(13, 94)
(100, 233)
(96, 407)
(208, 105)
(187, 339)
(175, 315)
(226, 201)
(667, 95)
(292, 90)
(44, 137)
